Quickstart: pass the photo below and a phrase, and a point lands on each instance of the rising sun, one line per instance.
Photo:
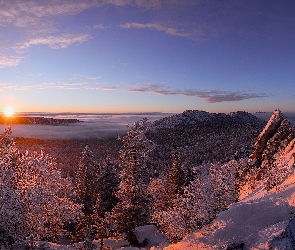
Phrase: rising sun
(9, 111)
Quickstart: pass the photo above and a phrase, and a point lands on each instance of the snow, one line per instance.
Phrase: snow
(155, 238)
(156, 241)
(261, 220)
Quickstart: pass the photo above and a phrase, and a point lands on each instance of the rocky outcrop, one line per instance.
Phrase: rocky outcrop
(276, 135)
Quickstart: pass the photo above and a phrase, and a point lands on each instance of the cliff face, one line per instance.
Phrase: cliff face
(276, 136)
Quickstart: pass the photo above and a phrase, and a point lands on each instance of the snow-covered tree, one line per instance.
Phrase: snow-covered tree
(34, 197)
(96, 187)
(187, 211)
(87, 194)
(132, 210)
(276, 172)
(46, 195)
(224, 179)
(161, 199)
(167, 188)
(87, 181)
(175, 178)
(108, 182)
(198, 203)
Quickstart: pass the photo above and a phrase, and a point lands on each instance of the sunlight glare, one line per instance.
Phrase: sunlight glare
(9, 111)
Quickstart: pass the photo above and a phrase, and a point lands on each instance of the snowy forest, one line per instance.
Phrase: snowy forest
(176, 174)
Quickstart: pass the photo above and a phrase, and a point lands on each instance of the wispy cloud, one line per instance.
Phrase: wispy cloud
(62, 85)
(102, 88)
(9, 61)
(212, 96)
(140, 3)
(117, 2)
(91, 77)
(31, 13)
(101, 26)
(34, 75)
(6, 85)
(197, 33)
(54, 42)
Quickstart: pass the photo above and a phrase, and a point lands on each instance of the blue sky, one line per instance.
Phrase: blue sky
(140, 55)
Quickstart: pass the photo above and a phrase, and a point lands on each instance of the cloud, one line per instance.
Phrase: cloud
(212, 96)
(54, 42)
(31, 13)
(6, 85)
(9, 61)
(197, 34)
(91, 77)
(33, 75)
(153, 26)
(102, 88)
(117, 2)
(62, 85)
(222, 96)
(101, 26)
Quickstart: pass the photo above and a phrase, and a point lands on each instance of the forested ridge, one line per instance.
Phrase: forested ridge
(177, 173)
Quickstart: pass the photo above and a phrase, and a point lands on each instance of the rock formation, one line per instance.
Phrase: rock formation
(276, 135)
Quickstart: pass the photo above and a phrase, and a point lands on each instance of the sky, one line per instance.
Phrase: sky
(147, 55)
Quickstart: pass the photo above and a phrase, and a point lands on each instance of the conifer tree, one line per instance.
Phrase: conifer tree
(175, 178)
(87, 178)
(132, 210)
(165, 191)
(108, 183)
(87, 194)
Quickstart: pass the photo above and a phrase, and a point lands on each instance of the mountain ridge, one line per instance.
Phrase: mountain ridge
(264, 216)
(190, 117)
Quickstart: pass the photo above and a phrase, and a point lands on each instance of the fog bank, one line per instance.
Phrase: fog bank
(93, 126)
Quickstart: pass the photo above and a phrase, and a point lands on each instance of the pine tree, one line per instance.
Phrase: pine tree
(87, 194)
(108, 182)
(175, 178)
(132, 210)
(87, 179)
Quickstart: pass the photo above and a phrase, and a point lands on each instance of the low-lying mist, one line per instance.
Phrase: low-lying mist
(92, 126)
(95, 126)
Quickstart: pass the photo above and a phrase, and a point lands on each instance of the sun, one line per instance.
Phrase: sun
(9, 111)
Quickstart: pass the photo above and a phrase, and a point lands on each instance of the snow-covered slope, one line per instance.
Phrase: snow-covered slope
(261, 219)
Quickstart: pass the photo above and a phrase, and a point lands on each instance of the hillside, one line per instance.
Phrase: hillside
(264, 216)
(203, 138)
